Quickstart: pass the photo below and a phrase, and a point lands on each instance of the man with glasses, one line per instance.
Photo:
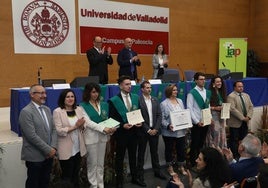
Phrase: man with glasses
(197, 99)
(98, 59)
(128, 60)
(39, 139)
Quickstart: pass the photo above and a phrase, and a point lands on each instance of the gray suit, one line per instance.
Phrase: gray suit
(35, 147)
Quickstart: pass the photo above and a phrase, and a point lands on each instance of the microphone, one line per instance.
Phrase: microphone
(223, 64)
(39, 75)
(181, 71)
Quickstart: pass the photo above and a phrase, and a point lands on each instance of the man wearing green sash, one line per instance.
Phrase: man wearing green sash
(126, 134)
(197, 99)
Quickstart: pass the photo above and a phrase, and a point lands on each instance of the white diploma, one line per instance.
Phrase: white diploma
(134, 117)
(206, 116)
(225, 111)
(110, 123)
(180, 119)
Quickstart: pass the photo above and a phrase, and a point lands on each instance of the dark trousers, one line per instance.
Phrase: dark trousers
(179, 145)
(236, 135)
(123, 143)
(70, 169)
(142, 143)
(198, 137)
(38, 173)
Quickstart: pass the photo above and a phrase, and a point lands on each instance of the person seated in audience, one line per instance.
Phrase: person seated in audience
(249, 161)
(213, 171)
(262, 177)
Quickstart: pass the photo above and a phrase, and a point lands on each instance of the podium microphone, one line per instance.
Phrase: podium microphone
(223, 64)
(181, 71)
(39, 75)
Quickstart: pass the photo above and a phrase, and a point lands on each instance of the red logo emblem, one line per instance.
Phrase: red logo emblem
(45, 23)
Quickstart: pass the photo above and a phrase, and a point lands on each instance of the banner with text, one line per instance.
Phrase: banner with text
(233, 54)
(44, 27)
(114, 21)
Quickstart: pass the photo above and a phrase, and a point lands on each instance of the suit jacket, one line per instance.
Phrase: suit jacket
(123, 60)
(236, 112)
(98, 64)
(92, 133)
(37, 139)
(155, 62)
(65, 142)
(120, 133)
(245, 168)
(156, 113)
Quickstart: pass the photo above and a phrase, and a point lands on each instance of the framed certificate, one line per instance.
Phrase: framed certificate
(206, 116)
(225, 111)
(181, 119)
(134, 117)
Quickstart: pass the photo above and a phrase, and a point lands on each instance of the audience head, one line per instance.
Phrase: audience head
(212, 165)
(97, 42)
(199, 79)
(171, 91)
(263, 176)
(159, 49)
(124, 83)
(250, 146)
(128, 43)
(91, 92)
(67, 97)
(38, 94)
(238, 86)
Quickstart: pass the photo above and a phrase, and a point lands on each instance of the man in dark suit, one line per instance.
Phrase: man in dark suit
(128, 60)
(126, 134)
(249, 161)
(241, 112)
(150, 130)
(39, 139)
(98, 60)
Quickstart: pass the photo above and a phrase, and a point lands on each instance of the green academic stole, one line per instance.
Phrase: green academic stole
(198, 98)
(120, 106)
(93, 114)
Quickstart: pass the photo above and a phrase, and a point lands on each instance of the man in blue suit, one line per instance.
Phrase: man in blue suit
(128, 60)
(39, 139)
(249, 161)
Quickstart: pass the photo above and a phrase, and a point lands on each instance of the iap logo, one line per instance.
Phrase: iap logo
(45, 23)
(231, 50)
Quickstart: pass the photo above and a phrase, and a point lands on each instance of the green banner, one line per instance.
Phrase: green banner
(233, 54)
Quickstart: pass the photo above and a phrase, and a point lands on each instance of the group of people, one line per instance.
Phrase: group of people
(73, 131)
(99, 58)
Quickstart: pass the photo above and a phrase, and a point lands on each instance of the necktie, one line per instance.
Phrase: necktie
(243, 105)
(128, 103)
(46, 122)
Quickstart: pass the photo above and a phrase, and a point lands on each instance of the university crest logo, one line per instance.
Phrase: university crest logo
(44, 23)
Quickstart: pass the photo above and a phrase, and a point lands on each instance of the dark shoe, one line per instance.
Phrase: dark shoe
(160, 176)
(139, 182)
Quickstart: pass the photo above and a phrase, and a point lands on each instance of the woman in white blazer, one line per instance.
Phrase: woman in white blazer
(95, 139)
(159, 61)
(69, 120)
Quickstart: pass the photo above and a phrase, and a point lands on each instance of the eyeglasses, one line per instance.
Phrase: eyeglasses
(40, 93)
